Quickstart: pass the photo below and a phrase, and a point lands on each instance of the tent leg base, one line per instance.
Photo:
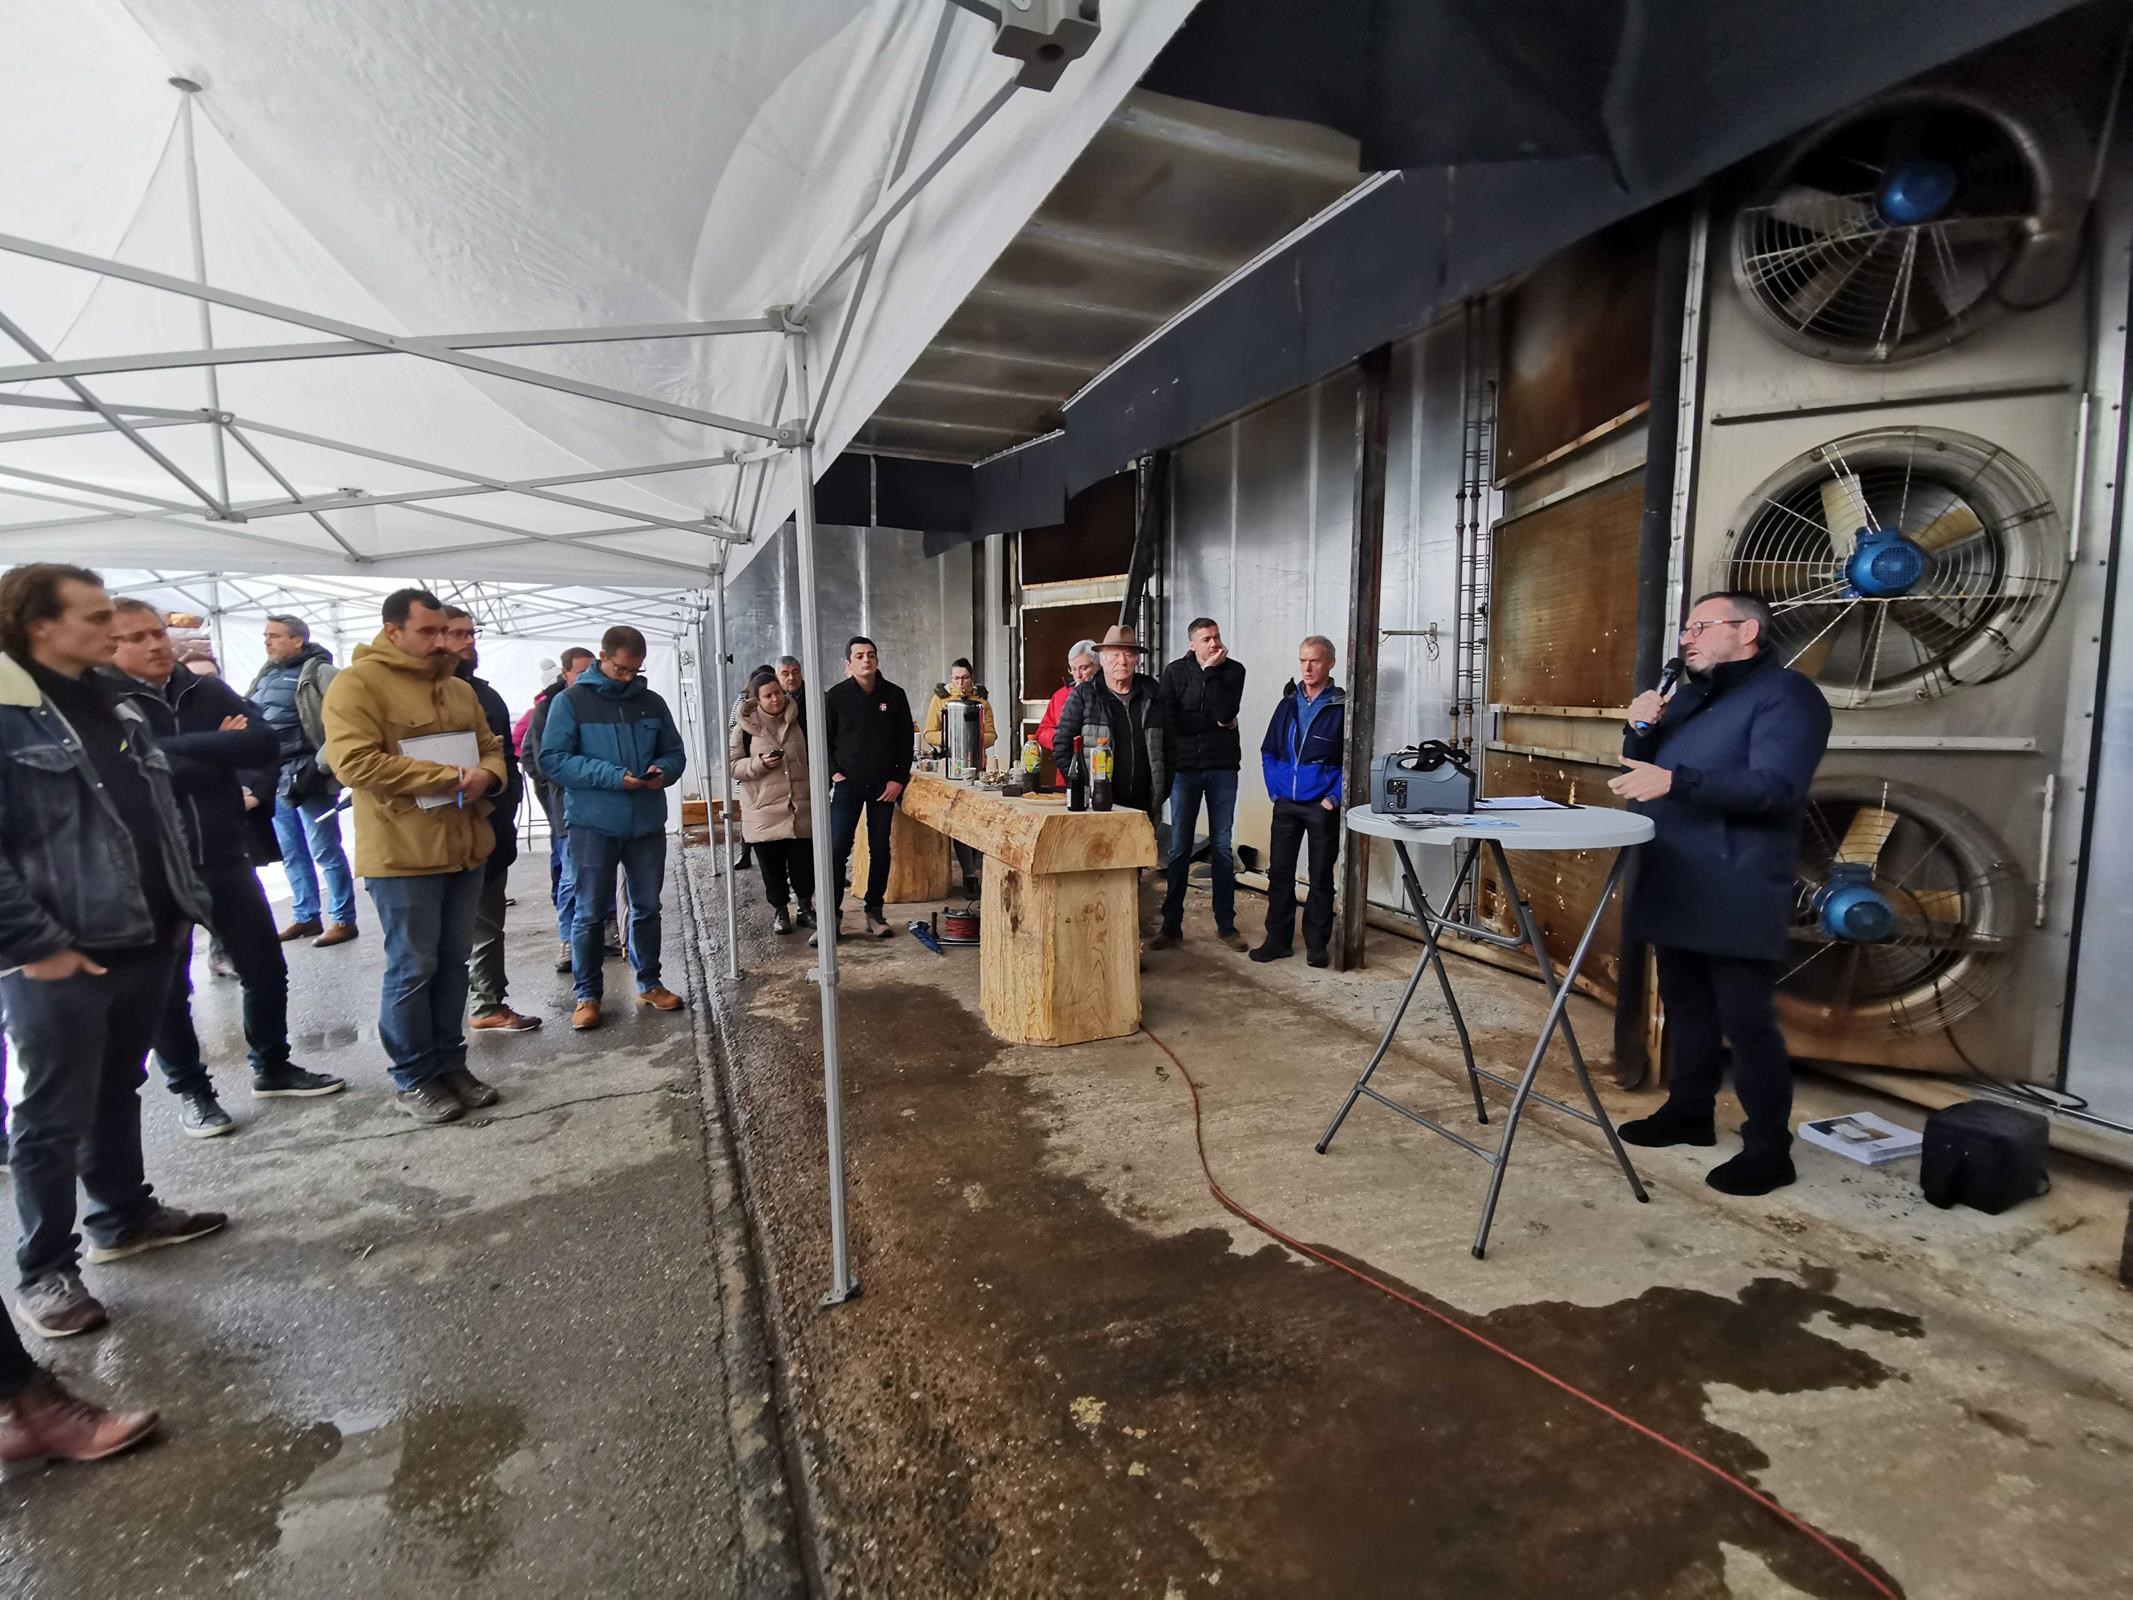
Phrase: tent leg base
(835, 1299)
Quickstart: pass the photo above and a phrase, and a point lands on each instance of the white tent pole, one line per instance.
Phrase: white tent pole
(828, 893)
(427, 349)
(214, 620)
(187, 89)
(715, 715)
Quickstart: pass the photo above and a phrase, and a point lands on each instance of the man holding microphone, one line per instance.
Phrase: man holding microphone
(1722, 768)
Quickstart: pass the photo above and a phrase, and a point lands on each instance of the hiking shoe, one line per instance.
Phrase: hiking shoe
(1318, 957)
(430, 1102)
(1168, 939)
(165, 1225)
(781, 921)
(878, 926)
(805, 917)
(467, 1089)
(1670, 1125)
(504, 1020)
(309, 929)
(294, 1083)
(339, 933)
(1272, 952)
(564, 964)
(56, 1306)
(202, 1116)
(44, 1421)
(1233, 939)
(660, 998)
(585, 1015)
(1752, 1172)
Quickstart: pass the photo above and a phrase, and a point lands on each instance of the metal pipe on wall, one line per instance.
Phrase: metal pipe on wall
(828, 893)
(715, 716)
(1655, 544)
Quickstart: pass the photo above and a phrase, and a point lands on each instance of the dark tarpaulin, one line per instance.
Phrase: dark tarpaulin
(1516, 126)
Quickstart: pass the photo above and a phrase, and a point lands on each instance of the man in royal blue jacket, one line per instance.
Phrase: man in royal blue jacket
(1723, 775)
(612, 748)
(1301, 756)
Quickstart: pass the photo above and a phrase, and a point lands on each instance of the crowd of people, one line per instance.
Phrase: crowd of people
(1175, 738)
(139, 796)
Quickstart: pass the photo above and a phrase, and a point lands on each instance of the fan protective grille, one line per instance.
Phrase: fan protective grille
(1902, 562)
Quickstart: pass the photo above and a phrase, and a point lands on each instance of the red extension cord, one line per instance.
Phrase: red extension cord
(1542, 1373)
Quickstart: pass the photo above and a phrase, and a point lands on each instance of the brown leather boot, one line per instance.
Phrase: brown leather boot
(659, 998)
(339, 933)
(586, 1014)
(46, 1423)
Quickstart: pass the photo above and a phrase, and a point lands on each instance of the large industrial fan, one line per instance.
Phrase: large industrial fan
(1908, 915)
(1903, 225)
(1901, 562)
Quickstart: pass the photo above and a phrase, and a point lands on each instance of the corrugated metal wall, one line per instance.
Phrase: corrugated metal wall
(1262, 514)
(876, 581)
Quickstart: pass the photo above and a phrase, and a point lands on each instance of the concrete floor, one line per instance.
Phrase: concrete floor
(483, 1359)
(1072, 1372)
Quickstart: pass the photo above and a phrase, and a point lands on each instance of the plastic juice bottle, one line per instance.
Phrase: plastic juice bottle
(1100, 772)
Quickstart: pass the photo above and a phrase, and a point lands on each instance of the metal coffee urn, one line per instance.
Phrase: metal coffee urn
(962, 737)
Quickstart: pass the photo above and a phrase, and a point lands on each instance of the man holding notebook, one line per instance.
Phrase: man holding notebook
(408, 737)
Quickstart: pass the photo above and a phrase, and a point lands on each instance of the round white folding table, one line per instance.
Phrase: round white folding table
(1500, 833)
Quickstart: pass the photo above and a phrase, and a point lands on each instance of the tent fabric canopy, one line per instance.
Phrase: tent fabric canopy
(421, 168)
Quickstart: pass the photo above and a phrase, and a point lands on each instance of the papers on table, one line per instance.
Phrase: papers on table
(1519, 802)
(1445, 819)
(460, 749)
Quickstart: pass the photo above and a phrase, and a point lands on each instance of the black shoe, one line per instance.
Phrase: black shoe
(1168, 939)
(879, 926)
(1669, 1125)
(294, 1083)
(970, 888)
(1269, 952)
(614, 951)
(1752, 1172)
(1317, 958)
(805, 917)
(836, 932)
(201, 1116)
(467, 1089)
(781, 921)
(430, 1101)
(163, 1226)
(740, 860)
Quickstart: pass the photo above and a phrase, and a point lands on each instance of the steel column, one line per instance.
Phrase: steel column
(1366, 586)
(715, 715)
(828, 893)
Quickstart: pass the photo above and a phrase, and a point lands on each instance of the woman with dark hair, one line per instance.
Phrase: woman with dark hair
(768, 750)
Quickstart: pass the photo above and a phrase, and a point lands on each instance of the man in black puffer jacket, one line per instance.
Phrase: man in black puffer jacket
(213, 736)
(1202, 692)
(1127, 705)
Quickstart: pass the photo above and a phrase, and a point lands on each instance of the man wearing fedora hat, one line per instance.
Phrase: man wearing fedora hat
(1129, 705)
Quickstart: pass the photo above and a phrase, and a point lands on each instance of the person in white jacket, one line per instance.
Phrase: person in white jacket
(768, 750)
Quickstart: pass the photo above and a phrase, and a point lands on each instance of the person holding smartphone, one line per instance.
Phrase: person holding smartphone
(768, 749)
(612, 747)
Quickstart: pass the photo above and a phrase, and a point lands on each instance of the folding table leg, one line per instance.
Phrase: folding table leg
(1431, 933)
(1444, 980)
(1556, 1006)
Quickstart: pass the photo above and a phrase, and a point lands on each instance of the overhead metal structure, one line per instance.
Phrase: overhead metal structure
(184, 418)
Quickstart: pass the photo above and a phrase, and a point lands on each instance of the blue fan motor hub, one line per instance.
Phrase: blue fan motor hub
(1916, 192)
(1851, 909)
(1884, 564)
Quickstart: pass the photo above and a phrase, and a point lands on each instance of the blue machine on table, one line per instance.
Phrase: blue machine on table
(1431, 776)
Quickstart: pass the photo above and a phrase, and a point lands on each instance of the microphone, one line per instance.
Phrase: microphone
(1668, 677)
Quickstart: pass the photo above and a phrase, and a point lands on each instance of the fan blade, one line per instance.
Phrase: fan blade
(1834, 216)
(1812, 298)
(1866, 837)
(1952, 526)
(1938, 906)
(1843, 513)
(1934, 629)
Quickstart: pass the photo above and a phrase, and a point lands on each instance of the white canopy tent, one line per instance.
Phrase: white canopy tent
(701, 239)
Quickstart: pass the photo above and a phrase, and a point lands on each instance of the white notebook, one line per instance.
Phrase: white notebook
(459, 749)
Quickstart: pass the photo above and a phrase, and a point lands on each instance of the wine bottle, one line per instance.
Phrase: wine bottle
(1078, 781)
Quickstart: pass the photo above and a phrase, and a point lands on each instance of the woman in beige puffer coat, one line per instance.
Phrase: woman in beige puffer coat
(769, 755)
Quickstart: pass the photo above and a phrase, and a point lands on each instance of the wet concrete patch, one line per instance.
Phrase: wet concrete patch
(1036, 1396)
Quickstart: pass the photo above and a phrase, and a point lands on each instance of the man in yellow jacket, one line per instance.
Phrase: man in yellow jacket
(409, 740)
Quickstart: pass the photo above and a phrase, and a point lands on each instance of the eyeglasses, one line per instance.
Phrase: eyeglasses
(1694, 630)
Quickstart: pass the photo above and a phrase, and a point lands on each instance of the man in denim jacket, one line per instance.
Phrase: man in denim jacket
(96, 883)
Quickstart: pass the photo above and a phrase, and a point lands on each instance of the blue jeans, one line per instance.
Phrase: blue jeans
(82, 1044)
(1187, 789)
(429, 934)
(594, 858)
(310, 840)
